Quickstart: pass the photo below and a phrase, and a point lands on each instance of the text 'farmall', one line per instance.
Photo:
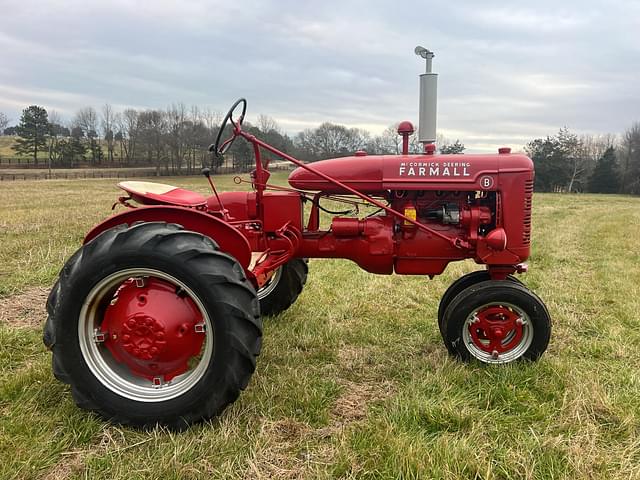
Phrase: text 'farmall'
(435, 169)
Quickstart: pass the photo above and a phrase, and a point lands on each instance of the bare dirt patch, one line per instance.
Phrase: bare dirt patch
(276, 457)
(26, 309)
(352, 405)
(74, 462)
(362, 384)
(70, 465)
(292, 450)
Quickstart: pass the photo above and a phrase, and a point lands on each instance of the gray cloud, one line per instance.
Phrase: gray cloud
(509, 71)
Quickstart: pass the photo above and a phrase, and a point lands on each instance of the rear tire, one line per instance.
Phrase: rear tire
(212, 283)
(497, 321)
(284, 286)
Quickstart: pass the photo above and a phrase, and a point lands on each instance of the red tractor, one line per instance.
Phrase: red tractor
(157, 317)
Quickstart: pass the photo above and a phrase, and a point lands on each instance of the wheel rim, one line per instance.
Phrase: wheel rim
(141, 341)
(271, 284)
(497, 332)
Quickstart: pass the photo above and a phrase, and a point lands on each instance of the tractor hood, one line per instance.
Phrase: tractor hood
(375, 173)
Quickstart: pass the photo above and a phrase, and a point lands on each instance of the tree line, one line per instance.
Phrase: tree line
(176, 140)
(567, 162)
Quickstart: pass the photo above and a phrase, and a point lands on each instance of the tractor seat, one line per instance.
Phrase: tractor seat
(150, 193)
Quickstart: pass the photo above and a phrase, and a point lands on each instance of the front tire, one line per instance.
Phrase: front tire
(461, 284)
(151, 324)
(496, 322)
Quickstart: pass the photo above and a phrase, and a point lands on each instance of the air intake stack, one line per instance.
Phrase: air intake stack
(428, 99)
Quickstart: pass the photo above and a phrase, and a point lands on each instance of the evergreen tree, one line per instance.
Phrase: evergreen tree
(456, 147)
(550, 164)
(604, 178)
(71, 151)
(33, 129)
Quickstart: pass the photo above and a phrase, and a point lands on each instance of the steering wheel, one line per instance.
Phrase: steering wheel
(221, 148)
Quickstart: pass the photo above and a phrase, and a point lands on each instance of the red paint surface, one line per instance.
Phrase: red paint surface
(177, 196)
(151, 329)
(496, 330)
(490, 196)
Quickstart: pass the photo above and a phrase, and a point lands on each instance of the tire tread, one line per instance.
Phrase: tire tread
(201, 255)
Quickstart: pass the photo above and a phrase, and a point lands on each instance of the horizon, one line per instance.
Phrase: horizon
(507, 75)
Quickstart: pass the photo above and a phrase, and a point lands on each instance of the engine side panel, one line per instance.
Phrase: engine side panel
(375, 173)
(484, 200)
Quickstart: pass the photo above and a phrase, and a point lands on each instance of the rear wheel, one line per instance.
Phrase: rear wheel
(284, 286)
(152, 324)
(496, 322)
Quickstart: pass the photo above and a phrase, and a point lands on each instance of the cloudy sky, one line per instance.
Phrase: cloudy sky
(509, 71)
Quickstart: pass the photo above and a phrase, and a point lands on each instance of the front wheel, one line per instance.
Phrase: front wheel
(496, 322)
(153, 324)
(461, 284)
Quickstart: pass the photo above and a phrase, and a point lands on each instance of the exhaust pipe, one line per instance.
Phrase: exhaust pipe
(428, 99)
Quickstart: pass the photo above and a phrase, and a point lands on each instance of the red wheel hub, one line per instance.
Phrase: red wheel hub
(153, 328)
(143, 337)
(496, 329)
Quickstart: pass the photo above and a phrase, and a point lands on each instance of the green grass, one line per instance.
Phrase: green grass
(353, 381)
(6, 144)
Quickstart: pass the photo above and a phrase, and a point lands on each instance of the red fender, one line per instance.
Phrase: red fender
(229, 239)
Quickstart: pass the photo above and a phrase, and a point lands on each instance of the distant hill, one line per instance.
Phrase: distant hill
(5, 146)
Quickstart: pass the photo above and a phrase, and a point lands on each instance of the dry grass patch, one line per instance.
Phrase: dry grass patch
(26, 309)
(351, 406)
(281, 452)
(69, 465)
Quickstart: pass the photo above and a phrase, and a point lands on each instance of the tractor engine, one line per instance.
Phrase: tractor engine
(471, 206)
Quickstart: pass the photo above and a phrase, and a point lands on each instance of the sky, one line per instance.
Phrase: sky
(508, 71)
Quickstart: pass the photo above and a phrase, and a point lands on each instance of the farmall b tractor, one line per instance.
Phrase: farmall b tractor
(157, 317)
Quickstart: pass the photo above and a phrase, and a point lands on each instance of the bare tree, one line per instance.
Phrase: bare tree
(4, 121)
(199, 137)
(176, 119)
(266, 124)
(570, 146)
(152, 130)
(128, 129)
(87, 119)
(388, 142)
(630, 160)
(331, 140)
(211, 118)
(107, 122)
(55, 124)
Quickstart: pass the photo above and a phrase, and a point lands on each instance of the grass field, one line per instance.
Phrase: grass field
(353, 381)
(6, 144)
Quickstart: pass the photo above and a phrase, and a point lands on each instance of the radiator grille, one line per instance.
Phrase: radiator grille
(526, 230)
